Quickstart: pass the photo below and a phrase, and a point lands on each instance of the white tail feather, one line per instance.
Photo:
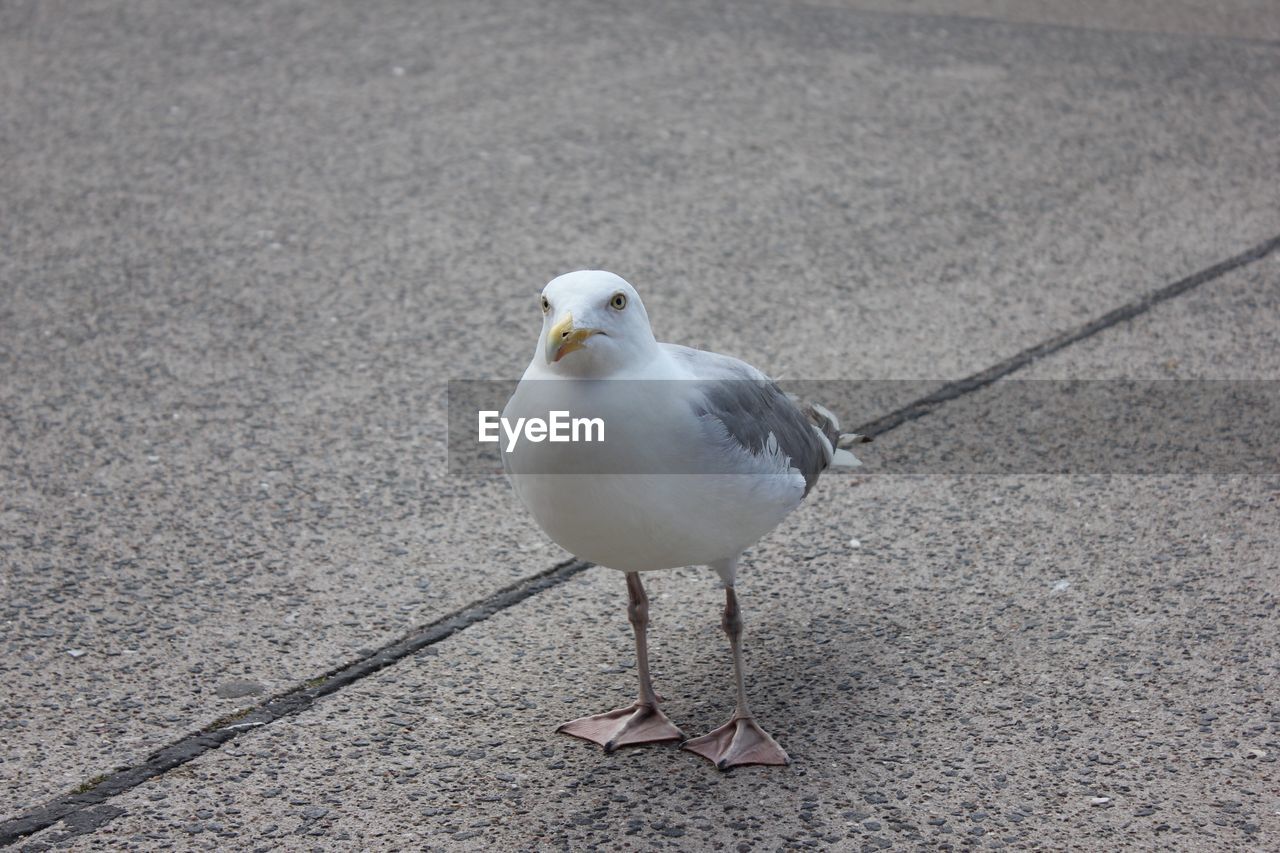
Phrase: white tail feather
(844, 459)
(849, 439)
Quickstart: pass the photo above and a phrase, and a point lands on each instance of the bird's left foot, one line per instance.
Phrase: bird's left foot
(739, 741)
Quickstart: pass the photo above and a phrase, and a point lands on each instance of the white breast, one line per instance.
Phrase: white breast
(625, 504)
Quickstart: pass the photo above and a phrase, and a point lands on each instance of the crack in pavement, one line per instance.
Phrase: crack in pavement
(977, 381)
(82, 812)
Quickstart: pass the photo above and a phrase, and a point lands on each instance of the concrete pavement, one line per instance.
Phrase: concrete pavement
(978, 662)
(245, 248)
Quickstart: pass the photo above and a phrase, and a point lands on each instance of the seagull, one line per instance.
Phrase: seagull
(702, 456)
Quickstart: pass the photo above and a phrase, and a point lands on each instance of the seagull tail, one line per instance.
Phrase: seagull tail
(827, 425)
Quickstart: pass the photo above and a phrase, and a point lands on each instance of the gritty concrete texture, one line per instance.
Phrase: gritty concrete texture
(1223, 332)
(244, 247)
(994, 657)
(1062, 662)
(1208, 399)
(1240, 19)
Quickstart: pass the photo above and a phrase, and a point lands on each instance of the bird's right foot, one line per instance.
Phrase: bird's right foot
(629, 726)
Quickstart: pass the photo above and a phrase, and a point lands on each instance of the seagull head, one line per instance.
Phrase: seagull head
(593, 324)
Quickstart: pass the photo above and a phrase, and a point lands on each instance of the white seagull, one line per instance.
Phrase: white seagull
(702, 456)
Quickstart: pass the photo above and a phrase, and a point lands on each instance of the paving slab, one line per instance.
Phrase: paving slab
(980, 662)
(244, 249)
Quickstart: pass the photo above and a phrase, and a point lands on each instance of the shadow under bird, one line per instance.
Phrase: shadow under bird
(702, 456)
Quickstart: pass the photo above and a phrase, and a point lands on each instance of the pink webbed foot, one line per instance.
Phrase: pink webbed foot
(739, 741)
(629, 726)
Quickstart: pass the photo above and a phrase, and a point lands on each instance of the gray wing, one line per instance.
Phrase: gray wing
(752, 408)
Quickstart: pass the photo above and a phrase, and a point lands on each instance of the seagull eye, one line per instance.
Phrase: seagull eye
(618, 302)
(546, 305)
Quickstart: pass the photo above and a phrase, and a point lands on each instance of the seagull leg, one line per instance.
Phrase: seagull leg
(641, 722)
(741, 740)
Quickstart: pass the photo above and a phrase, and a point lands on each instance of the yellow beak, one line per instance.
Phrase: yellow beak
(564, 338)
